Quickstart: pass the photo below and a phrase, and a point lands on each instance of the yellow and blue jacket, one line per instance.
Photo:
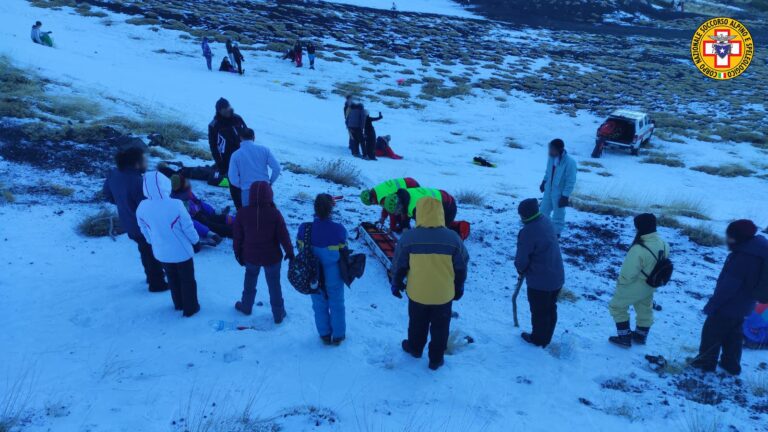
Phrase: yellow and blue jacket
(432, 257)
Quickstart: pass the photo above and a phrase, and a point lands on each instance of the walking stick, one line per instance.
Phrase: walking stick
(514, 299)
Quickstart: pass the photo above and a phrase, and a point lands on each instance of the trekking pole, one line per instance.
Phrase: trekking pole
(514, 299)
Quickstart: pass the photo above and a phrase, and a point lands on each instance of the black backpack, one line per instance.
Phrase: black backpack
(304, 270)
(662, 271)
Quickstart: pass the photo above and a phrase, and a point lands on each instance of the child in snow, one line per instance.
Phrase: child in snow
(311, 54)
(328, 238)
(167, 226)
(434, 261)
(370, 136)
(383, 148)
(226, 66)
(239, 59)
(298, 54)
(259, 232)
(230, 52)
(209, 224)
(207, 53)
(632, 288)
(39, 36)
(540, 261)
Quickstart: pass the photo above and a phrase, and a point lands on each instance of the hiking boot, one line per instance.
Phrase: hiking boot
(528, 338)
(435, 365)
(732, 370)
(640, 335)
(280, 317)
(159, 288)
(407, 348)
(192, 312)
(326, 339)
(697, 364)
(337, 341)
(239, 306)
(622, 340)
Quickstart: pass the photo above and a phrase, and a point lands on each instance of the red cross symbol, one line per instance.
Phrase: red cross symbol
(722, 62)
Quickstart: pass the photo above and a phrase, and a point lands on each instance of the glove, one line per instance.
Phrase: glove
(563, 202)
(197, 247)
(289, 257)
(459, 294)
(542, 186)
(396, 292)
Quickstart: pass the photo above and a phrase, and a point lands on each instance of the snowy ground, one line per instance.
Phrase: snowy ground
(443, 7)
(107, 356)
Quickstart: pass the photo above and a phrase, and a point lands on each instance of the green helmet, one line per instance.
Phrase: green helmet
(365, 197)
(391, 203)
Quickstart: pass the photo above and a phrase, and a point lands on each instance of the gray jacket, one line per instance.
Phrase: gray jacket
(252, 163)
(538, 255)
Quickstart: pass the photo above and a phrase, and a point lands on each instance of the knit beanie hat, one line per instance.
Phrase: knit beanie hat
(528, 209)
(741, 230)
(365, 197)
(645, 223)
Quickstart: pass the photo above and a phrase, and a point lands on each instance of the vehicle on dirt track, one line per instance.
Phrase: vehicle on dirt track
(624, 129)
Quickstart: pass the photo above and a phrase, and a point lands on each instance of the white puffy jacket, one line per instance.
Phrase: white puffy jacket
(165, 222)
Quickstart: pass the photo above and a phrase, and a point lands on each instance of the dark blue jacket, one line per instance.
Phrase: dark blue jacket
(326, 234)
(124, 189)
(733, 294)
(538, 255)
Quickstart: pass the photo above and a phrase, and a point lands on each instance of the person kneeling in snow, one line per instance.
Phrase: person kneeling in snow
(732, 300)
(540, 262)
(434, 260)
(226, 66)
(404, 202)
(167, 226)
(41, 37)
(210, 225)
(259, 232)
(379, 193)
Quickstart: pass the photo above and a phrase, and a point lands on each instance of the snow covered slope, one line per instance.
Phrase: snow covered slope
(104, 355)
(442, 7)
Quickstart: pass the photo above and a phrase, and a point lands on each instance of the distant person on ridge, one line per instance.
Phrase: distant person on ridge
(226, 66)
(239, 59)
(558, 184)
(355, 116)
(207, 53)
(224, 140)
(123, 187)
(311, 54)
(230, 53)
(538, 259)
(251, 163)
(298, 54)
(434, 260)
(632, 288)
(168, 227)
(370, 136)
(722, 337)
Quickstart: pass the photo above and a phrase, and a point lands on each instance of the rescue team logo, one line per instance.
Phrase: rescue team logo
(722, 48)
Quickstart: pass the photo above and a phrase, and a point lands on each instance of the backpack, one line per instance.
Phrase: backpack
(303, 271)
(356, 117)
(760, 292)
(662, 271)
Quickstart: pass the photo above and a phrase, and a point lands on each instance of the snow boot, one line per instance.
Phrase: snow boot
(337, 341)
(435, 365)
(624, 337)
(239, 306)
(698, 364)
(193, 312)
(407, 348)
(326, 339)
(280, 317)
(732, 370)
(528, 338)
(640, 335)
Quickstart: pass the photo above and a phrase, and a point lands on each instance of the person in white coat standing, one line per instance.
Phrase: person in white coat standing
(167, 226)
(558, 184)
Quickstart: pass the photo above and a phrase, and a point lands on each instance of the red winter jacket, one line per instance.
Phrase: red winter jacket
(260, 230)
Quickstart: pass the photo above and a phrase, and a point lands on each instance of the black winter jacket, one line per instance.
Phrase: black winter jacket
(224, 139)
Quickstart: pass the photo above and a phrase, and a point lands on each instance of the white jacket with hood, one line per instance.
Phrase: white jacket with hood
(165, 222)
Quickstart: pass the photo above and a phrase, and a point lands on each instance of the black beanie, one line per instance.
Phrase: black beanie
(221, 104)
(741, 230)
(528, 209)
(558, 144)
(645, 223)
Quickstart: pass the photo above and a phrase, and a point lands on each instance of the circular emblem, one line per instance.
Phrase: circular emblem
(722, 48)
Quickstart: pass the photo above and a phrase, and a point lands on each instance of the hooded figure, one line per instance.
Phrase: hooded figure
(434, 261)
(207, 53)
(259, 233)
(733, 299)
(558, 184)
(224, 139)
(632, 288)
(540, 262)
(167, 226)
